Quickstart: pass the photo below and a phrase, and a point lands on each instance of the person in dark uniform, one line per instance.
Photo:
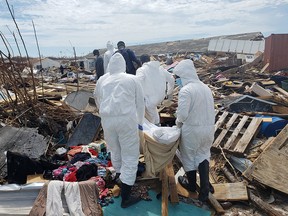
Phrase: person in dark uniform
(99, 66)
(129, 57)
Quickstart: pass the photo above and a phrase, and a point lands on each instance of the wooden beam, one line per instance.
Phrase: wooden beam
(172, 184)
(230, 191)
(229, 175)
(213, 202)
(221, 120)
(182, 191)
(264, 68)
(225, 130)
(263, 206)
(216, 205)
(164, 205)
(280, 109)
(248, 135)
(270, 168)
(281, 90)
(266, 144)
(237, 130)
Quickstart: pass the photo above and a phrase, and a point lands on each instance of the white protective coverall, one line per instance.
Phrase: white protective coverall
(108, 54)
(156, 83)
(196, 112)
(119, 97)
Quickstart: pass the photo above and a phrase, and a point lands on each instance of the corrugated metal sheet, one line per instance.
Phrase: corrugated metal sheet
(236, 46)
(276, 52)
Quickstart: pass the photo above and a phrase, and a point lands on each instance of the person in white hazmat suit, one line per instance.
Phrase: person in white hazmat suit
(196, 117)
(156, 83)
(108, 54)
(119, 97)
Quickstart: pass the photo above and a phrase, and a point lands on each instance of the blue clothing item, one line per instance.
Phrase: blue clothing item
(99, 66)
(179, 82)
(129, 57)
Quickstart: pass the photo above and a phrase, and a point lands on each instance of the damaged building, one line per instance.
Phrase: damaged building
(51, 132)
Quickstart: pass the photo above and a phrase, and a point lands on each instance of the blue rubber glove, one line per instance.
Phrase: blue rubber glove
(140, 127)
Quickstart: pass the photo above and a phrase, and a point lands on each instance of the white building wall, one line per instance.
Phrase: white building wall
(236, 46)
(46, 63)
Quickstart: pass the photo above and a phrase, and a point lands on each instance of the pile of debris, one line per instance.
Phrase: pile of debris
(41, 116)
(251, 135)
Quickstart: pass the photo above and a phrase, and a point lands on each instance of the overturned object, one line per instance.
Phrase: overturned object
(250, 104)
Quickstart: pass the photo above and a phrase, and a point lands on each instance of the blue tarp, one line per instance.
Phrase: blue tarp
(153, 208)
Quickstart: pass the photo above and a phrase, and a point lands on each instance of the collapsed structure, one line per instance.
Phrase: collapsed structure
(43, 118)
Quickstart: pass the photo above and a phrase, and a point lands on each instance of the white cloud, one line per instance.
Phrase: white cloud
(89, 24)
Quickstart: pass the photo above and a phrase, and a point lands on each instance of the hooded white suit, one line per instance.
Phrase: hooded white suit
(119, 97)
(196, 112)
(157, 83)
(108, 54)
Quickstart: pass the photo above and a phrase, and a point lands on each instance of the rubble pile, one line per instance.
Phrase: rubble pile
(251, 120)
(249, 160)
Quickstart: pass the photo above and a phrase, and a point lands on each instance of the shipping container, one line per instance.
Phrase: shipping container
(276, 52)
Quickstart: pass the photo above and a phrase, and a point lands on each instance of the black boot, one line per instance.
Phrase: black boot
(127, 199)
(188, 183)
(117, 179)
(204, 181)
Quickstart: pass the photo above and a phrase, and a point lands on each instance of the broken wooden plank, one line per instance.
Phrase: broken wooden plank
(36, 178)
(167, 115)
(266, 143)
(228, 174)
(265, 207)
(172, 184)
(216, 205)
(260, 90)
(211, 199)
(248, 135)
(182, 191)
(230, 191)
(270, 168)
(164, 205)
(264, 68)
(235, 133)
(267, 82)
(281, 90)
(280, 109)
(225, 130)
(221, 120)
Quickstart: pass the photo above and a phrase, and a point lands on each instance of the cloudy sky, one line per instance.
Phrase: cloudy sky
(86, 25)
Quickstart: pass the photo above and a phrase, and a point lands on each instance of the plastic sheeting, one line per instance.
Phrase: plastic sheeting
(153, 208)
(18, 199)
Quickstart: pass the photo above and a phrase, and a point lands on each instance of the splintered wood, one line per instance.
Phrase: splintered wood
(270, 168)
(234, 132)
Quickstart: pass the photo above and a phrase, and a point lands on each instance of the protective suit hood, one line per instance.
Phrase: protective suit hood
(110, 46)
(154, 64)
(116, 64)
(186, 71)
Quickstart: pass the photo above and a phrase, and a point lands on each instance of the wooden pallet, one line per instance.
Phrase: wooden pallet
(234, 132)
